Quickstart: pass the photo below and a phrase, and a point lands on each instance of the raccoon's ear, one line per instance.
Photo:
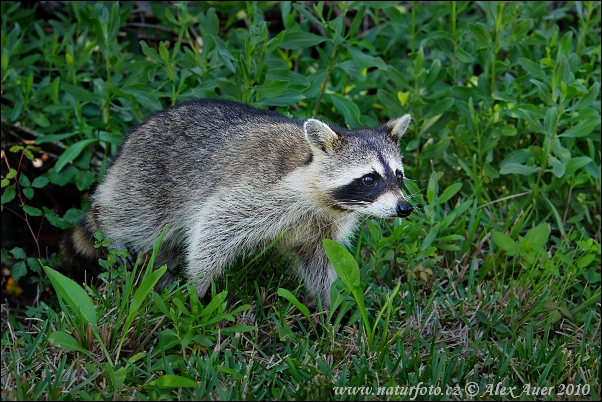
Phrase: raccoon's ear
(320, 136)
(399, 126)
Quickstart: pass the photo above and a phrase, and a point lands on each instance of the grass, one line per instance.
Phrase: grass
(492, 285)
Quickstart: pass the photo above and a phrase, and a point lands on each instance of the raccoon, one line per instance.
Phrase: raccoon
(227, 177)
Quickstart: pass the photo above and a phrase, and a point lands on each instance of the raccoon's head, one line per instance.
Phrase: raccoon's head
(360, 170)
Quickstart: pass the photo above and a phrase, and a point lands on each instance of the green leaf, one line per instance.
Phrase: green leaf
(484, 318)
(286, 332)
(28, 192)
(54, 137)
(66, 341)
(73, 295)
(532, 68)
(343, 262)
(432, 188)
(213, 305)
(502, 329)
(32, 211)
(508, 131)
(158, 301)
(550, 120)
(519, 31)
(9, 194)
(587, 99)
(271, 88)
(363, 60)
(480, 33)
(203, 340)
(293, 299)
(79, 93)
(211, 23)
(18, 252)
(287, 98)
(169, 381)
(24, 181)
(439, 108)
(74, 215)
(403, 97)
(491, 171)
(238, 328)
(12, 173)
(349, 110)
(560, 152)
(544, 92)
(557, 166)
(300, 40)
(84, 179)
(242, 308)
(463, 56)
(18, 270)
(584, 127)
(564, 71)
(27, 61)
(148, 100)
(538, 236)
(56, 220)
(230, 371)
(375, 230)
(292, 78)
(584, 261)
(224, 54)
(28, 154)
(564, 45)
(169, 16)
(577, 163)
(40, 182)
(34, 265)
(117, 376)
(63, 177)
(430, 237)
(163, 52)
(554, 317)
(72, 152)
(504, 242)
(433, 73)
(517, 168)
(38, 118)
(147, 285)
(449, 193)
(150, 53)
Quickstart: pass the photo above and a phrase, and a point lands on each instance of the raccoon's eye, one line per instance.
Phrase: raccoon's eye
(368, 180)
(399, 177)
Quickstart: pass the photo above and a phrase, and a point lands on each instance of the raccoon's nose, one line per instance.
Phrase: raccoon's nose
(404, 209)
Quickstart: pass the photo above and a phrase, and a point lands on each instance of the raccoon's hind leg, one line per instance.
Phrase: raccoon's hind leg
(128, 260)
(316, 271)
(173, 258)
(210, 249)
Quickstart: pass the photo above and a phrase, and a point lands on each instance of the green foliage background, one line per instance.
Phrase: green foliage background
(503, 156)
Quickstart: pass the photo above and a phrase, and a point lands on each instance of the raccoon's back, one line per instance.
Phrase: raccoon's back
(178, 157)
(215, 137)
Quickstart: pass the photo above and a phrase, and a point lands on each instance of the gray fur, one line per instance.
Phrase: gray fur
(226, 177)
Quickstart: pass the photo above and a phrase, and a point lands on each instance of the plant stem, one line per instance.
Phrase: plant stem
(326, 78)
(454, 13)
(20, 195)
(496, 33)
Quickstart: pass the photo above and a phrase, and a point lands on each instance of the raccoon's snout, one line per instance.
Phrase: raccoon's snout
(404, 209)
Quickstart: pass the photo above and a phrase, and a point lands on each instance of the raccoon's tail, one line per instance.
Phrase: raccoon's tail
(77, 246)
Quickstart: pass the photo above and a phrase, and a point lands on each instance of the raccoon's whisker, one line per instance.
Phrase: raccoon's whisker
(412, 195)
